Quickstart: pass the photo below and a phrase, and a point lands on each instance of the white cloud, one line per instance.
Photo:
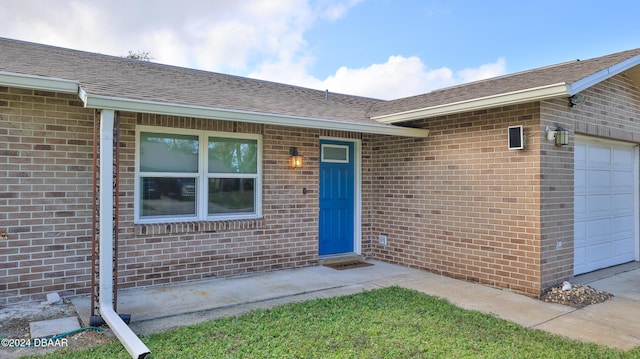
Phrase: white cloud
(335, 10)
(484, 71)
(265, 39)
(398, 77)
(214, 35)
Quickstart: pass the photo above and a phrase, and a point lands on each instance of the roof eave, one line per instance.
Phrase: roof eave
(24, 81)
(125, 104)
(505, 99)
(34, 82)
(602, 75)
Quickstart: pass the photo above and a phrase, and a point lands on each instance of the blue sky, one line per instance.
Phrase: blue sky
(375, 48)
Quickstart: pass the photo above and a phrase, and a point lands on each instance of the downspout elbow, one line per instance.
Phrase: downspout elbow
(125, 335)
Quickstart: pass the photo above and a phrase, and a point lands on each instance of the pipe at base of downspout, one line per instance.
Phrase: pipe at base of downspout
(125, 335)
(136, 348)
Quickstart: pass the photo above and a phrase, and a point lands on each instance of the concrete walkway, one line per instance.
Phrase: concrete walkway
(615, 323)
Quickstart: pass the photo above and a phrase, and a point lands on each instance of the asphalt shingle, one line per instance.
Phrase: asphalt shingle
(112, 76)
(120, 77)
(567, 72)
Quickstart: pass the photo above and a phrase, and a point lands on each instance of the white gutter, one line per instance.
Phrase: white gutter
(125, 104)
(510, 98)
(38, 82)
(125, 335)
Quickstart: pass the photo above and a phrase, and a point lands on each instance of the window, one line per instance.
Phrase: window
(335, 153)
(189, 175)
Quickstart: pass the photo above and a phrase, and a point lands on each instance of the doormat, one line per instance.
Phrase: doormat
(348, 265)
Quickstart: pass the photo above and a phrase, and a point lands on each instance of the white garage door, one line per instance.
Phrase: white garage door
(606, 204)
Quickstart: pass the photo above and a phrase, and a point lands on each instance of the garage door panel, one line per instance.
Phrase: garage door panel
(598, 155)
(580, 183)
(580, 230)
(622, 179)
(598, 180)
(580, 257)
(622, 225)
(598, 228)
(622, 205)
(598, 252)
(604, 204)
(620, 247)
(580, 206)
(622, 157)
(598, 206)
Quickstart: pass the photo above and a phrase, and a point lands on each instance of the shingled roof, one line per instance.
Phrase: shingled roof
(564, 79)
(125, 84)
(110, 82)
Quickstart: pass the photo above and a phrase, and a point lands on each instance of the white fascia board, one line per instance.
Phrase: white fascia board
(12, 79)
(602, 75)
(505, 99)
(124, 104)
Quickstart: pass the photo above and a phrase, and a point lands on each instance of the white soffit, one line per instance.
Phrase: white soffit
(510, 98)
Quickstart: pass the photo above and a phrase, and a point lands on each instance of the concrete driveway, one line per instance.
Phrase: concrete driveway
(615, 323)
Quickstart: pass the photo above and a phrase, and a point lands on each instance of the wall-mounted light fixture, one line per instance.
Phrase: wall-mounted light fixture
(577, 99)
(560, 136)
(295, 159)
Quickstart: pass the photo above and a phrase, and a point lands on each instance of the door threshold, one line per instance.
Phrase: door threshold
(339, 257)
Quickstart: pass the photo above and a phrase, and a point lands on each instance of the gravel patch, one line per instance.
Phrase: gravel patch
(578, 296)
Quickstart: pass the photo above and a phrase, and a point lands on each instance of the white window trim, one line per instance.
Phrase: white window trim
(201, 177)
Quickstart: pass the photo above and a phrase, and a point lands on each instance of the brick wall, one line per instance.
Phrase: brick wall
(459, 202)
(45, 162)
(285, 237)
(612, 111)
(45, 204)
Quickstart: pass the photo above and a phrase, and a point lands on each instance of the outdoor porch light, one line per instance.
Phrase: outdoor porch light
(562, 137)
(295, 159)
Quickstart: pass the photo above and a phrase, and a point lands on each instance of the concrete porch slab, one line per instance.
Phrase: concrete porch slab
(169, 301)
(613, 323)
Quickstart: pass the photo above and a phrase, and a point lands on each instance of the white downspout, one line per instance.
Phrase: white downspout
(127, 337)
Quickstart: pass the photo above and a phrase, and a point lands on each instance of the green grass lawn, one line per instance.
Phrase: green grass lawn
(386, 323)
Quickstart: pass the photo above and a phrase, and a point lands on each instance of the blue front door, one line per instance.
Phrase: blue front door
(337, 203)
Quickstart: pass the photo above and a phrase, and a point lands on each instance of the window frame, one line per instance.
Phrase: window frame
(202, 177)
(329, 145)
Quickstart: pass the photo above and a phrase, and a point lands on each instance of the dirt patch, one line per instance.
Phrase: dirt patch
(578, 296)
(14, 324)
